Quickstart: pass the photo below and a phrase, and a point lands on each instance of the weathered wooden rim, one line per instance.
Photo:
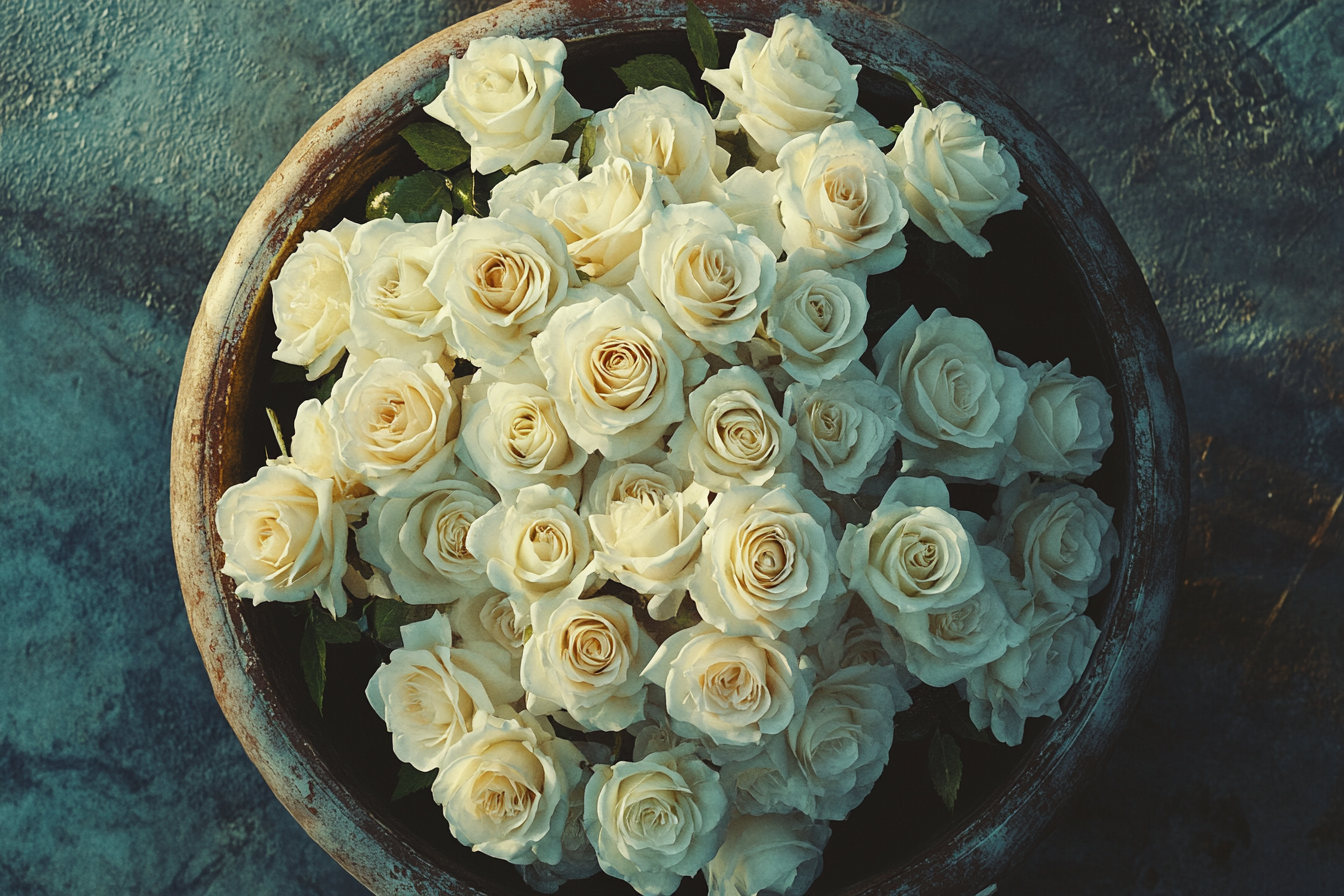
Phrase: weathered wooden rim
(1068, 753)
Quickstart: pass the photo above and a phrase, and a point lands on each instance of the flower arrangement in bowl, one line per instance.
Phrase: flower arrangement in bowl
(669, 487)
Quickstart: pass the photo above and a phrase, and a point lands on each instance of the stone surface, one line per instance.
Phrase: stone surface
(134, 133)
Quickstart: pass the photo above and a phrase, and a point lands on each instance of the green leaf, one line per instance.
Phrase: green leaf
(916, 727)
(464, 194)
(572, 133)
(313, 659)
(427, 94)
(945, 767)
(438, 146)
(388, 618)
(584, 276)
(958, 720)
(324, 385)
(656, 70)
(287, 373)
(335, 631)
(739, 150)
(896, 129)
(411, 780)
(700, 33)
(421, 197)
(376, 205)
(588, 146)
(905, 79)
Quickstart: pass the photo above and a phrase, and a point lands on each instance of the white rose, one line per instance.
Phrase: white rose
(768, 782)
(283, 536)
(529, 187)
(505, 788)
(392, 313)
(836, 196)
(767, 564)
(499, 280)
(602, 217)
(1059, 540)
(578, 859)
(585, 657)
(420, 538)
(649, 475)
(1031, 678)
(513, 435)
(845, 428)
(506, 97)
(313, 450)
(1065, 427)
(391, 419)
(618, 374)
(534, 546)
(914, 555)
(428, 692)
(733, 435)
(752, 198)
(733, 689)
(712, 277)
(491, 616)
(311, 301)
(816, 318)
(655, 821)
(959, 407)
(780, 854)
(667, 129)
(952, 176)
(652, 544)
(793, 83)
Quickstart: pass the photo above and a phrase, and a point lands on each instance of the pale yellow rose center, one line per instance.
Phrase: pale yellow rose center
(733, 685)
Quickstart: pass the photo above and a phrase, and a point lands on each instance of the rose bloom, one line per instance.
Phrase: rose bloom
(959, 406)
(665, 128)
(505, 787)
(792, 83)
(392, 419)
(585, 657)
(733, 689)
(656, 821)
(952, 176)
(619, 375)
(491, 616)
(845, 429)
(313, 450)
(311, 301)
(506, 97)
(534, 546)
(283, 536)
(528, 187)
(602, 217)
(753, 199)
(733, 435)
(428, 692)
(712, 277)
(499, 280)
(836, 196)
(768, 854)
(815, 318)
(648, 475)
(767, 564)
(578, 859)
(392, 313)
(1065, 427)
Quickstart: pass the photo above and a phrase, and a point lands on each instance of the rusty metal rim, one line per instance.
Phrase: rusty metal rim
(1069, 751)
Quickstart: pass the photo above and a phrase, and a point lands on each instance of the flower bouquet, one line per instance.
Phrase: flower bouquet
(662, 456)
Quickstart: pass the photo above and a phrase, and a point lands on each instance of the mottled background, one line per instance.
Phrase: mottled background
(134, 133)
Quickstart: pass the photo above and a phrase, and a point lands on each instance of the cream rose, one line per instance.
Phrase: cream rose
(585, 657)
(815, 318)
(792, 83)
(959, 407)
(752, 198)
(767, 560)
(602, 217)
(391, 419)
(618, 375)
(578, 859)
(506, 97)
(534, 546)
(712, 277)
(733, 435)
(845, 429)
(779, 854)
(1065, 427)
(313, 450)
(529, 187)
(492, 617)
(649, 475)
(836, 196)
(655, 821)
(667, 129)
(505, 788)
(283, 536)
(952, 176)
(499, 280)
(428, 692)
(311, 301)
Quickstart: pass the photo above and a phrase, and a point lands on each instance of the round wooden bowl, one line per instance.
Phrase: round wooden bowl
(1060, 282)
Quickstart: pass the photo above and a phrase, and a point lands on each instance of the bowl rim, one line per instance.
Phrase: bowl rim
(1059, 762)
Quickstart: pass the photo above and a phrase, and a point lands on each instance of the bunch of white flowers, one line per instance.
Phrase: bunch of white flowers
(637, 380)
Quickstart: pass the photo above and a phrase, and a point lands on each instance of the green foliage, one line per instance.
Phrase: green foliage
(905, 79)
(656, 70)
(335, 631)
(945, 767)
(739, 150)
(287, 373)
(958, 718)
(421, 197)
(313, 659)
(572, 133)
(588, 146)
(376, 205)
(411, 780)
(700, 33)
(438, 146)
(388, 618)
